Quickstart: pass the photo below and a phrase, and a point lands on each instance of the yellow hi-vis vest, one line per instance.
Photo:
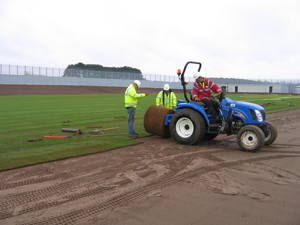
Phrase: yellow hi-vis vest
(131, 97)
(169, 101)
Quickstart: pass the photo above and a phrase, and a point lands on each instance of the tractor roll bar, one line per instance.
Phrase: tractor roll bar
(181, 76)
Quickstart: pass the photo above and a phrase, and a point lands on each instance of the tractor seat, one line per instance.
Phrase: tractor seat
(191, 99)
(201, 103)
(198, 103)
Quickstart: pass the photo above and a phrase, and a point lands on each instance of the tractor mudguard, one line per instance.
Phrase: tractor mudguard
(196, 107)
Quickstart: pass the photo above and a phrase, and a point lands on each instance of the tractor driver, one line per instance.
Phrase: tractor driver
(202, 93)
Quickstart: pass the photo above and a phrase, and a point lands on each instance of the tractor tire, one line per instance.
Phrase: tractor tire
(208, 136)
(271, 134)
(250, 138)
(154, 120)
(187, 126)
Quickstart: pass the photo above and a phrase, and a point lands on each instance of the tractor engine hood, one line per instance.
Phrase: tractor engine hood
(240, 104)
(250, 113)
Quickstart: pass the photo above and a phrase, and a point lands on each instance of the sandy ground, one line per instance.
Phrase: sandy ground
(161, 182)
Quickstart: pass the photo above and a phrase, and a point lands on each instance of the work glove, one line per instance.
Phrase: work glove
(197, 99)
(219, 93)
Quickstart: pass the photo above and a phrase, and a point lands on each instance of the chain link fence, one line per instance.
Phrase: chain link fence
(30, 70)
(16, 70)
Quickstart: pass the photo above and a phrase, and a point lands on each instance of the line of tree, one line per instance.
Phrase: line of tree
(98, 67)
(94, 70)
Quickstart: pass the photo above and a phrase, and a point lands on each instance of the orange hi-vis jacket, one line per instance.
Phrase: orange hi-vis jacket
(203, 90)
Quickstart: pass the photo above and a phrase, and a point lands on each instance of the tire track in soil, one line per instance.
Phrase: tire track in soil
(11, 201)
(131, 195)
(31, 181)
(284, 145)
(24, 175)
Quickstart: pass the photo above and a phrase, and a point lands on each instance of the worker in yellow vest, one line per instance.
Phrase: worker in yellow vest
(131, 101)
(166, 98)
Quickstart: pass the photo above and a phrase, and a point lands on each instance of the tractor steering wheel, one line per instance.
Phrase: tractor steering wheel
(221, 96)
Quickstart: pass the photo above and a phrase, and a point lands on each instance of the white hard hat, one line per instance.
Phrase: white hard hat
(166, 87)
(137, 82)
(197, 75)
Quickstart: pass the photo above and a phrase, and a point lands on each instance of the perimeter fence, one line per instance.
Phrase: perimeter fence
(30, 70)
(18, 70)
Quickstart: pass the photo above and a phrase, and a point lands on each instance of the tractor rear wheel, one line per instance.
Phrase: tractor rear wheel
(271, 133)
(187, 126)
(250, 138)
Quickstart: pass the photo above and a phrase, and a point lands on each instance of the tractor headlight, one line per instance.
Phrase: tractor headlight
(258, 115)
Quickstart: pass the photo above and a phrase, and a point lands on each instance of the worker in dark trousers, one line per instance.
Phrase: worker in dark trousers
(202, 93)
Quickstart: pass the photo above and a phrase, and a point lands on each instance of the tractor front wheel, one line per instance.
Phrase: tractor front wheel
(187, 126)
(250, 138)
(271, 134)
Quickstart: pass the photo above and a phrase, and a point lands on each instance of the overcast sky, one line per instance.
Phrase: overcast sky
(257, 39)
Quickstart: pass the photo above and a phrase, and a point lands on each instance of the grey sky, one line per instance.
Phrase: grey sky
(257, 39)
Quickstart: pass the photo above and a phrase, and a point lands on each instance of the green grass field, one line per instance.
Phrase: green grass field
(33, 116)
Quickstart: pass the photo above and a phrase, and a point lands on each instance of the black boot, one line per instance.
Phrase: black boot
(217, 118)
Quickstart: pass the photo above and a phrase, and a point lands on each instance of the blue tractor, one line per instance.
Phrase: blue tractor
(192, 122)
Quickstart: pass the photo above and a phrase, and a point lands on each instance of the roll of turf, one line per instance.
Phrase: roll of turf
(154, 120)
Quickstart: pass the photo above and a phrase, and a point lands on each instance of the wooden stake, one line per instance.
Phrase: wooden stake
(100, 135)
(101, 131)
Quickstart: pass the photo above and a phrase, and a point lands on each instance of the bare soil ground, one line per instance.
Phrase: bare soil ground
(161, 182)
